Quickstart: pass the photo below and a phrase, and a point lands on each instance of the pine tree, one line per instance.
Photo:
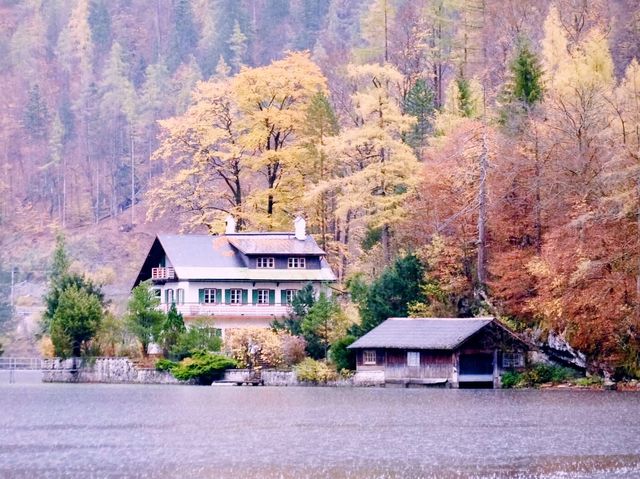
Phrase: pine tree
(419, 103)
(222, 69)
(100, 22)
(238, 45)
(184, 36)
(36, 115)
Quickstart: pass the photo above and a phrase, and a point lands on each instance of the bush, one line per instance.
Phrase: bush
(511, 379)
(199, 337)
(202, 367)
(342, 357)
(589, 381)
(165, 365)
(310, 370)
(537, 375)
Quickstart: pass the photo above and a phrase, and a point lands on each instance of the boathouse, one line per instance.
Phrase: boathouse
(449, 352)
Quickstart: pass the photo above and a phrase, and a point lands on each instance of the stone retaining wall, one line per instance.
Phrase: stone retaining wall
(102, 370)
(276, 377)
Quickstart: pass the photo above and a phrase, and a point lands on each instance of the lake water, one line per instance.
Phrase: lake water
(113, 431)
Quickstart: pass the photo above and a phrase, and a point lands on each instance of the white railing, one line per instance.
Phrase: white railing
(163, 273)
(24, 364)
(276, 310)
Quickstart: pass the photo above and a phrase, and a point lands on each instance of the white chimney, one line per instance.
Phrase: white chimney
(301, 228)
(231, 225)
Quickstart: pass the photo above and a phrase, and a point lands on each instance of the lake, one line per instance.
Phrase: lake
(113, 431)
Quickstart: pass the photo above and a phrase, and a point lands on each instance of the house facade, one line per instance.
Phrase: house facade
(235, 280)
(450, 352)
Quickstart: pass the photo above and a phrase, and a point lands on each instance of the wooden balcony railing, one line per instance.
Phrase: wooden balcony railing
(162, 273)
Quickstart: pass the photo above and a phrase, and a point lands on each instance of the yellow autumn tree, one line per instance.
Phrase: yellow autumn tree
(377, 169)
(238, 148)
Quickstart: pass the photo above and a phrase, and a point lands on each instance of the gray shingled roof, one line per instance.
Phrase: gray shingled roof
(205, 257)
(274, 243)
(421, 333)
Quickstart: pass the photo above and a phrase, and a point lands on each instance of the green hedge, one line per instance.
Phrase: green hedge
(202, 367)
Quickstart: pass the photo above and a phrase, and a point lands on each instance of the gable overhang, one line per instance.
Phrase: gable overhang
(154, 256)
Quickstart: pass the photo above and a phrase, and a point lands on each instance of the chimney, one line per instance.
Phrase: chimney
(231, 225)
(301, 228)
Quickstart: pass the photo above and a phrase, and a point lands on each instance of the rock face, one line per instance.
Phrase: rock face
(102, 370)
(556, 349)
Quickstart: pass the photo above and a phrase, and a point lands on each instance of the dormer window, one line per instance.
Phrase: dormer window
(296, 263)
(265, 262)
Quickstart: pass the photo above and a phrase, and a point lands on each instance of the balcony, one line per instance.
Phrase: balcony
(162, 274)
(277, 310)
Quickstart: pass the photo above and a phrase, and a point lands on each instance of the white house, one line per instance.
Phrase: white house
(236, 279)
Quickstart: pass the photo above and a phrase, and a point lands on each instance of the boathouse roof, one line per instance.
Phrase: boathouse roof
(422, 333)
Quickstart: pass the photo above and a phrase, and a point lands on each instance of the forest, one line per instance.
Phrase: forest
(498, 141)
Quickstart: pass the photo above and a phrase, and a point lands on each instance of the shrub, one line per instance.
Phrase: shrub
(589, 381)
(342, 357)
(310, 370)
(293, 348)
(511, 379)
(199, 337)
(165, 365)
(537, 375)
(255, 346)
(202, 367)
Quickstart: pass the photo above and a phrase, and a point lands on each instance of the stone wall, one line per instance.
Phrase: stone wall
(369, 378)
(278, 377)
(102, 370)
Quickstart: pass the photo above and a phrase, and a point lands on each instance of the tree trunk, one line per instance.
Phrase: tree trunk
(482, 213)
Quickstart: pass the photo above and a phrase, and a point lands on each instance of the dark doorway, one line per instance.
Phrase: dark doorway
(479, 363)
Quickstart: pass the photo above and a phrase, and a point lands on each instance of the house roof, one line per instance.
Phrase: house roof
(422, 333)
(274, 243)
(205, 257)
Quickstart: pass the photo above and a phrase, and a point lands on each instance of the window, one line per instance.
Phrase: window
(296, 263)
(368, 357)
(413, 359)
(263, 296)
(289, 294)
(157, 293)
(208, 295)
(168, 296)
(265, 262)
(235, 296)
(180, 296)
(512, 360)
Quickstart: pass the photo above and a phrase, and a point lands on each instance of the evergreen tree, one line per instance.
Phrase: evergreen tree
(60, 262)
(36, 115)
(74, 306)
(222, 69)
(6, 309)
(313, 14)
(171, 329)
(419, 103)
(238, 46)
(323, 324)
(75, 322)
(184, 37)
(525, 88)
(389, 295)
(155, 98)
(466, 104)
(100, 23)
(143, 319)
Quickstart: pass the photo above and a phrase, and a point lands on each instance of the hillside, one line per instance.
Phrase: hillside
(495, 139)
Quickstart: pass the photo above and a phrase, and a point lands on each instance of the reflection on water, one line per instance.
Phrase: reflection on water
(57, 430)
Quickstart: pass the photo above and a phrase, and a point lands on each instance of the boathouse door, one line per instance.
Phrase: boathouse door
(476, 368)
